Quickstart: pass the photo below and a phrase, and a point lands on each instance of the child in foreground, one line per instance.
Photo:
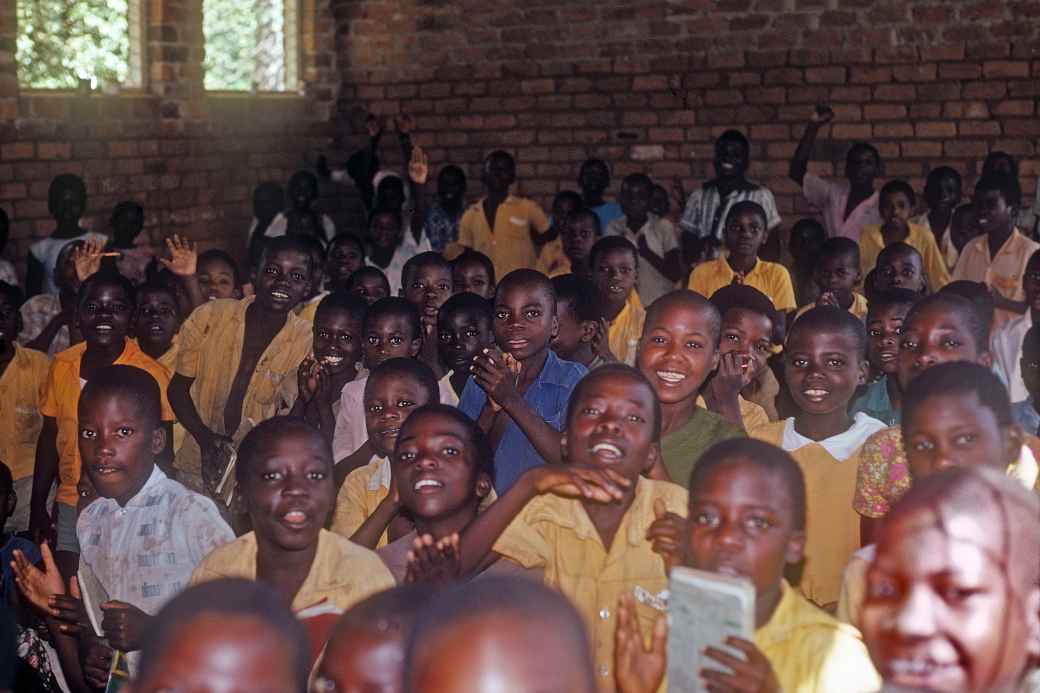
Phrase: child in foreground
(747, 518)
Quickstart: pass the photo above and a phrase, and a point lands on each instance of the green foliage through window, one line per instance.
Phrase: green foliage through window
(249, 44)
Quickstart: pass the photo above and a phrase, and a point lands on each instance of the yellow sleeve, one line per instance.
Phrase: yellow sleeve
(536, 217)
(934, 265)
(700, 280)
(753, 415)
(845, 665)
(522, 542)
(352, 503)
(50, 393)
(783, 289)
(192, 339)
(868, 249)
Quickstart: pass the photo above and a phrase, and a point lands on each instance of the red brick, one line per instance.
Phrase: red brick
(54, 151)
(870, 75)
(978, 128)
(1029, 127)
(920, 72)
(850, 131)
(973, 149)
(825, 75)
(985, 90)
(895, 92)
(936, 129)
(961, 71)
(928, 150)
(537, 86)
(13, 191)
(884, 111)
(13, 151)
(1005, 68)
(893, 130)
(1014, 108)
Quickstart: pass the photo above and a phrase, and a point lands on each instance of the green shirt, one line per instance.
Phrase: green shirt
(681, 449)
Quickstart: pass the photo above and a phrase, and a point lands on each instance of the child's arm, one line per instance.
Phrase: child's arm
(179, 394)
(45, 471)
(723, 392)
(669, 265)
(183, 262)
(33, 276)
(372, 528)
(800, 161)
(418, 174)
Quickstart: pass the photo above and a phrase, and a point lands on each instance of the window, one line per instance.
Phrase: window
(251, 45)
(62, 42)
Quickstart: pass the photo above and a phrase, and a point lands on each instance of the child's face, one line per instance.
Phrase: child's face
(612, 425)
(117, 445)
(992, 212)
(129, 222)
(749, 334)
(104, 315)
(450, 189)
(462, 335)
(740, 525)
(963, 227)
(594, 178)
(364, 660)
(525, 320)
(945, 194)
(941, 612)
(731, 159)
(157, 318)
(861, 167)
(283, 280)
(388, 402)
(385, 232)
(337, 340)
(70, 206)
(428, 288)
(935, 336)
(957, 431)
(615, 275)
(288, 490)
(500, 173)
(371, 287)
(837, 273)
(884, 329)
(806, 240)
(895, 207)
(1031, 285)
(900, 270)
(578, 235)
(435, 468)
(302, 193)
(216, 279)
(344, 259)
(10, 321)
(744, 234)
(388, 337)
(572, 333)
(562, 209)
(822, 370)
(635, 199)
(473, 277)
(1029, 364)
(677, 351)
(660, 203)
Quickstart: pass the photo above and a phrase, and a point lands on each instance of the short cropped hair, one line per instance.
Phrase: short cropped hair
(367, 271)
(958, 378)
(882, 300)
(394, 307)
(832, 319)
(221, 256)
(950, 302)
(346, 301)
(483, 453)
(611, 243)
(420, 261)
(894, 187)
(405, 367)
(527, 277)
(693, 300)
(858, 147)
(589, 213)
(470, 255)
(570, 196)
(734, 136)
(935, 177)
(127, 381)
(980, 296)
(263, 435)
(469, 303)
(1009, 187)
(840, 246)
(107, 277)
(391, 611)
(637, 179)
(622, 371)
(290, 242)
(744, 297)
(348, 237)
(579, 294)
(62, 182)
(747, 207)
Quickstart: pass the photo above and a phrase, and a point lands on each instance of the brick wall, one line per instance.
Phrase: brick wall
(191, 158)
(647, 84)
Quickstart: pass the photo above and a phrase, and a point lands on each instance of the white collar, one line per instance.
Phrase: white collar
(381, 478)
(842, 446)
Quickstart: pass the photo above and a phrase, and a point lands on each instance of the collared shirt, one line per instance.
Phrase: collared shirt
(440, 227)
(342, 573)
(947, 249)
(280, 224)
(607, 212)
(1007, 355)
(21, 394)
(626, 329)
(408, 249)
(509, 244)
(831, 197)
(36, 313)
(872, 242)
(210, 349)
(858, 308)
(811, 651)
(307, 309)
(552, 261)
(681, 449)
(547, 396)
(144, 553)
(662, 239)
(829, 466)
(770, 278)
(875, 403)
(556, 534)
(1003, 273)
(351, 432)
(61, 402)
(752, 415)
(705, 212)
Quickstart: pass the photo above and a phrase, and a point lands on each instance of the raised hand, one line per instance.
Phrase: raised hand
(497, 376)
(38, 586)
(822, 115)
(87, 258)
(183, 256)
(586, 482)
(434, 562)
(753, 674)
(419, 166)
(637, 667)
(666, 535)
(309, 378)
(731, 376)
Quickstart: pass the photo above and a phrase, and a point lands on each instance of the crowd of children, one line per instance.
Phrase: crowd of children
(478, 420)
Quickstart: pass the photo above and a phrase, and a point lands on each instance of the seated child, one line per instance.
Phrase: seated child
(747, 518)
(23, 374)
(743, 234)
(963, 228)
(584, 522)
(1007, 345)
(499, 632)
(580, 337)
(824, 363)
(593, 181)
(881, 397)
(334, 361)
(284, 475)
(552, 261)
(615, 273)
(519, 389)
(836, 275)
(899, 266)
(224, 633)
(951, 596)
(49, 319)
(569, 254)
(806, 241)
(218, 275)
(157, 322)
(748, 333)
(389, 247)
(66, 202)
(441, 224)
(106, 306)
(426, 283)
(473, 272)
(955, 414)
(306, 307)
(677, 353)
(463, 330)
(301, 193)
(367, 647)
(1029, 367)
(369, 283)
(896, 204)
(942, 192)
(393, 390)
(233, 357)
(655, 238)
(346, 255)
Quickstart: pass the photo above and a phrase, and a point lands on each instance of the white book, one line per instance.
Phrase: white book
(94, 595)
(703, 610)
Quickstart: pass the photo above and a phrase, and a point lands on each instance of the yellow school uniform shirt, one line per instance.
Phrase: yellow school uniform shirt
(872, 242)
(858, 308)
(556, 534)
(1003, 273)
(307, 309)
(342, 572)
(21, 394)
(752, 415)
(770, 278)
(210, 348)
(61, 401)
(626, 329)
(509, 244)
(553, 262)
(169, 362)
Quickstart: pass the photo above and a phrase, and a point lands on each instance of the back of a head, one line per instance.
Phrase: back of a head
(579, 294)
(957, 378)
(126, 381)
(831, 319)
(497, 629)
(406, 368)
(980, 296)
(268, 628)
(390, 612)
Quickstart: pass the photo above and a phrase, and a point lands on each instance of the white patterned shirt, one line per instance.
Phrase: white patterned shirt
(662, 238)
(145, 552)
(705, 211)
